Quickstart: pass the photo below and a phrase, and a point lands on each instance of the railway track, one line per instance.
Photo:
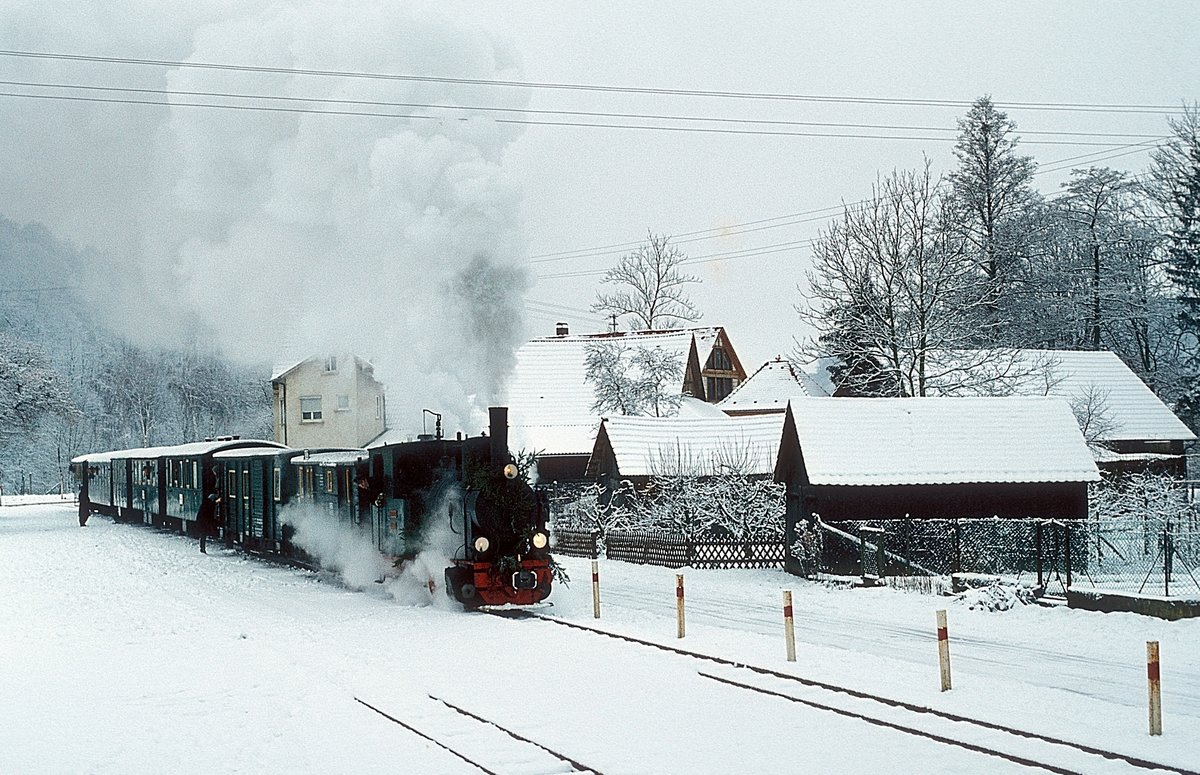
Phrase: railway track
(481, 742)
(1023, 747)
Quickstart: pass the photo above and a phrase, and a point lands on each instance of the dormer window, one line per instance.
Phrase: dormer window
(331, 364)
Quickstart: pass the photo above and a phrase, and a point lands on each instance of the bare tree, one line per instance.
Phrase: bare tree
(1091, 410)
(633, 381)
(893, 287)
(31, 390)
(650, 287)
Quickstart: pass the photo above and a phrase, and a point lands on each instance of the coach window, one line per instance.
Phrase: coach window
(276, 476)
(330, 482)
(310, 408)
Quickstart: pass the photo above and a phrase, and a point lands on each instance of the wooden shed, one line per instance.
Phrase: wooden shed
(892, 458)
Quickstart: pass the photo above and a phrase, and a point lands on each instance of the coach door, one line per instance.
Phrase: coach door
(253, 480)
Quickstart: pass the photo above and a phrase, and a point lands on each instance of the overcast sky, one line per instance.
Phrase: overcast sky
(535, 191)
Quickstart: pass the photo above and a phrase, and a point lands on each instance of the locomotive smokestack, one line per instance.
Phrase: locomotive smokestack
(498, 433)
(561, 329)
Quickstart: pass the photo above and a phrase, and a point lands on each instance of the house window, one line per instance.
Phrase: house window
(719, 387)
(719, 360)
(310, 408)
(343, 403)
(331, 363)
(378, 407)
(282, 413)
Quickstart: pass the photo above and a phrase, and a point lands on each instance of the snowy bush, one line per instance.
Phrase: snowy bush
(997, 597)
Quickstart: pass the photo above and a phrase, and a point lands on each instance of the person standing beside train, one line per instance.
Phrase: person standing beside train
(206, 519)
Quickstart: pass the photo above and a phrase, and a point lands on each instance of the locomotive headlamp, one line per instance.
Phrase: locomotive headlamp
(539, 539)
(510, 471)
(482, 544)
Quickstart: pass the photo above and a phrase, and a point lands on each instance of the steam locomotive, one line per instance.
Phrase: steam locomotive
(396, 494)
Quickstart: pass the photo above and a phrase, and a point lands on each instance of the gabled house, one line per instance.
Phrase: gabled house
(1128, 426)
(636, 448)
(551, 402)
(329, 400)
(768, 390)
(896, 458)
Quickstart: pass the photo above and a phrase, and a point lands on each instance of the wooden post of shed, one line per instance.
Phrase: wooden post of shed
(1155, 687)
(679, 602)
(943, 635)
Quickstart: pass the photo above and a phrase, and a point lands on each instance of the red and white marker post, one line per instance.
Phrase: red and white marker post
(679, 602)
(789, 627)
(1152, 676)
(595, 590)
(943, 649)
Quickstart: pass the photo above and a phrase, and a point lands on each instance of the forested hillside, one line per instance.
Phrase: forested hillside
(71, 382)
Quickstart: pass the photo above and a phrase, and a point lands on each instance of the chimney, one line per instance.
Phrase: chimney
(498, 433)
(560, 329)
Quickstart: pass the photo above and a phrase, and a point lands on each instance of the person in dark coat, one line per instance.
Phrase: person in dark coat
(206, 519)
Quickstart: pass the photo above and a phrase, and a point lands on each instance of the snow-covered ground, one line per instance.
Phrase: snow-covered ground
(124, 650)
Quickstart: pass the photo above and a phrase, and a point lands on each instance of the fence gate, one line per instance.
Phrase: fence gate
(1052, 544)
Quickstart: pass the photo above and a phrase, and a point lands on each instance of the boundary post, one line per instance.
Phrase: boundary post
(943, 635)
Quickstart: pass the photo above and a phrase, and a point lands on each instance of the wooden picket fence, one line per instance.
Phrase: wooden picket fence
(646, 547)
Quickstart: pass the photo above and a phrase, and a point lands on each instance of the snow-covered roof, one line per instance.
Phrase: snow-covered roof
(1121, 397)
(705, 446)
(550, 400)
(282, 368)
(251, 452)
(339, 458)
(1105, 455)
(893, 441)
(176, 450)
(769, 388)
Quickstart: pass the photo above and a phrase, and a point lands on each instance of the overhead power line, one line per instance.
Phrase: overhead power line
(518, 121)
(786, 220)
(729, 94)
(530, 111)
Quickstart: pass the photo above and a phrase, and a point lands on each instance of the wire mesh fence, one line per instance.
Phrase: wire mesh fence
(1140, 555)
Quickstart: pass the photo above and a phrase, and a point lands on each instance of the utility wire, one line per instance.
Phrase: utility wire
(175, 63)
(795, 218)
(516, 121)
(499, 109)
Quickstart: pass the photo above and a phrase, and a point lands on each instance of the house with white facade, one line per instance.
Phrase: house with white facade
(330, 400)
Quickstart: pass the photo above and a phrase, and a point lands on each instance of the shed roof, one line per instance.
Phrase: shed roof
(699, 446)
(899, 441)
(769, 388)
(549, 398)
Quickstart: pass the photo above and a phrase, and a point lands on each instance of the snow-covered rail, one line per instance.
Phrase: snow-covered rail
(1019, 746)
(482, 743)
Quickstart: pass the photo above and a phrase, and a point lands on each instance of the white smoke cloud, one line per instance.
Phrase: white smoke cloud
(337, 547)
(286, 233)
(348, 551)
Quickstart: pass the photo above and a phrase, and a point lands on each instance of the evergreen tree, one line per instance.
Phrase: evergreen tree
(989, 192)
(1176, 174)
